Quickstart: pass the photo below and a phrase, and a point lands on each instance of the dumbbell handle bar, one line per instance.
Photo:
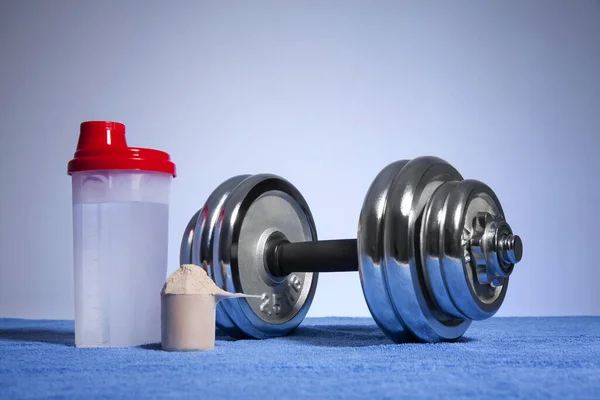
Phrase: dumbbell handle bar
(322, 256)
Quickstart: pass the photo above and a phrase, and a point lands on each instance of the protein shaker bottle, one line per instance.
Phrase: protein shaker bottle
(120, 237)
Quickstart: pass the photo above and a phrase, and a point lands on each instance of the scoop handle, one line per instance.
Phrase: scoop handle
(219, 297)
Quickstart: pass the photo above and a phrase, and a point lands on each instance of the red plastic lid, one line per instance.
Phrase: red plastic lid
(102, 146)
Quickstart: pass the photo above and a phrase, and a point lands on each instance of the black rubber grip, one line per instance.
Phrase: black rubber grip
(322, 256)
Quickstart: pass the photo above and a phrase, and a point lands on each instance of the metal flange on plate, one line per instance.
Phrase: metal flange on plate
(232, 229)
(414, 241)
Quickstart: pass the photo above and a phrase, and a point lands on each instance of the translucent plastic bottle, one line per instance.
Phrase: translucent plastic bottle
(120, 237)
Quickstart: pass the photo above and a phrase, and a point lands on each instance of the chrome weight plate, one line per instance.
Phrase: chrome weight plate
(185, 250)
(260, 206)
(433, 254)
(463, 201)
(196, 245)
(403, 266)
(371, 257)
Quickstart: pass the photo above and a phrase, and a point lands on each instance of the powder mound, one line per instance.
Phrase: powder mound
(191, 279)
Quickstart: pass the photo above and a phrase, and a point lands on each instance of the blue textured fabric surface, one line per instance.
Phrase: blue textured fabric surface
(525, 358)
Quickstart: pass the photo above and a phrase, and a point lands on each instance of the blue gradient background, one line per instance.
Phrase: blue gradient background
(323, 93)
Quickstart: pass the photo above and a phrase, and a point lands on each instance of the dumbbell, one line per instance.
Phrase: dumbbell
(433, 251)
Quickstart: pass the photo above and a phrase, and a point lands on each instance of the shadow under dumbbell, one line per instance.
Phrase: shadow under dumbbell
(223, 336)
(340, 336)
(346, 336)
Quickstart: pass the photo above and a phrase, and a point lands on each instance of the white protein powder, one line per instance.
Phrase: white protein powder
(192, 279)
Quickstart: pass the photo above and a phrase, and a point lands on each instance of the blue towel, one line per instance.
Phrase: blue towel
(516, 358)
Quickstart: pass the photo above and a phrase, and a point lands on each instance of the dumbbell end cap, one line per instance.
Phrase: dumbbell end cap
(517, 248)
(511, 248)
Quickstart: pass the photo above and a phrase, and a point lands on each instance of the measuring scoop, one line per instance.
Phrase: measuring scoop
(188, 320)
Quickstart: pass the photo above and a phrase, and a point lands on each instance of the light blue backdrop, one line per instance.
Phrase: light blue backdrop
(323, 93)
